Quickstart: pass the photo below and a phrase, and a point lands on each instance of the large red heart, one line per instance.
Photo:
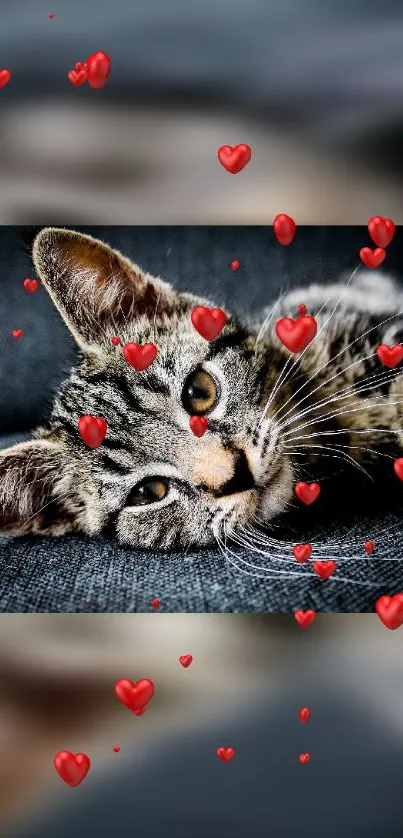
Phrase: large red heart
(296, 335)
(390, 610)
(31, 285)
(307, 492)
(77, 77)
(5, 77)
(381, 230)
(305, 618)
(208, 322)
(234, 159)
(99, 68)
(390, 355)
(185, 660)
(92, 430)
(140, 357)
(398, 467)
(134, 696)
(324, 569)
(72, 768)
(198, 425)
(302, 552)
(226, 753)
(284, 228)
(372, 258)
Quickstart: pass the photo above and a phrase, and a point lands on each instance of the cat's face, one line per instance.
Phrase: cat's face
(152, 481)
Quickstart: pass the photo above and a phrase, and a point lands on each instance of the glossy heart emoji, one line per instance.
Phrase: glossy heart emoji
(235, 264)
(302, 552)
(17, 333)
(390, 356)
(304, 714)
(390, 610)
(296, 335)
(234, 159)
(72, 768)
(116, 749)
(5, 77)
(140, 357)
(307, 492)
(77, 77)
(92, 430)
(198, 425)
(226, 754)
(31, 285)
(99, 68)
(155, 603)
(134, 696)
(284, 228)
(304, 758)
(185, 660)
(305, 618)
(372, 258)
(324, 569)
(115, 341)
(381, 230)
(208, 322)
(398, 468)
(369, 547)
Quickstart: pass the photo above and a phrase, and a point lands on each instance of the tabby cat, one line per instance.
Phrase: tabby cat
(152, 482)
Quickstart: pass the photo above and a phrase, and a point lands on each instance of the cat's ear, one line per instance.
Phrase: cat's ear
(95, 288)
(32, 491)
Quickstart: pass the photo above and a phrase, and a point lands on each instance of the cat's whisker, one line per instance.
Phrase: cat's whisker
(343, 412)
(358, 447)
(342, 455)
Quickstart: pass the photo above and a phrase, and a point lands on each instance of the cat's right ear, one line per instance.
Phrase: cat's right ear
(95, 288)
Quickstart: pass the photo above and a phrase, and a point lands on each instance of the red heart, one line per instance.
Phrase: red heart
(234, 159)
(372, 258)
(155, 603)
(307, 492)
(198, 425)
(208, 322)
(381, 230)
(77, 77)
(140, 357)
(302, 310)
(115, 341)
(72, 768)
(17, 333)
(304, 714)
(134, 696)
(92, 430)
(31, 285)
(305, 618)
(369, 546)
(390, 355)
(398, 467)
(185, 660)
(5, 77)
(304, 758)
(116, 749)
(324, 569)
(284, 228)
(226, 753)
(50, 16)
(296, 335)
(390, 610)
(140, 712)
(234, 265)
(302, 552)
(99, 68)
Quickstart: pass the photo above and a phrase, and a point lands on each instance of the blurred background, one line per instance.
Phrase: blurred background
(313, 86)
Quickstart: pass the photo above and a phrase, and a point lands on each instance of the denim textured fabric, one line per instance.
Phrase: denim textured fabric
(76, 574)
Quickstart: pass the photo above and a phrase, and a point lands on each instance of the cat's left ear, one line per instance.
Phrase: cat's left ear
(95, 288)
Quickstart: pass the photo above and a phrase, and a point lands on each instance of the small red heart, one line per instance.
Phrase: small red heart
(198, 425)
(304, 758)
(324, 569)
(302, 310)
(134, 696)
(92, 430)
(296, 335)
(234, 159)
(155, 603)
(99, 68)
(369, 547)
(116, 749)
(390, 610)
(226, 754)
(140, 712)
(284, 228)
(398, 467)
(304, 714)
(235, 264)
(17, 333)
(208, 322)
(77, 78)
(31, 285)
(307, 492)
(302, 552)
(140, 357)
(390, 355)
(81, 66)
(72, 768)
(5, 77)
(50, 16)
(305, 618)
(381, 230)
(115, 341)
(185, 660)
(372, 258)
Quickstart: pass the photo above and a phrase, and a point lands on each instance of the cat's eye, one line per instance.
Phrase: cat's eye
(199, 394)
(148, 491)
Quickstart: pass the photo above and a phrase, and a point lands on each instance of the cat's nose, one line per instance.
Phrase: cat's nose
(242, 479)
